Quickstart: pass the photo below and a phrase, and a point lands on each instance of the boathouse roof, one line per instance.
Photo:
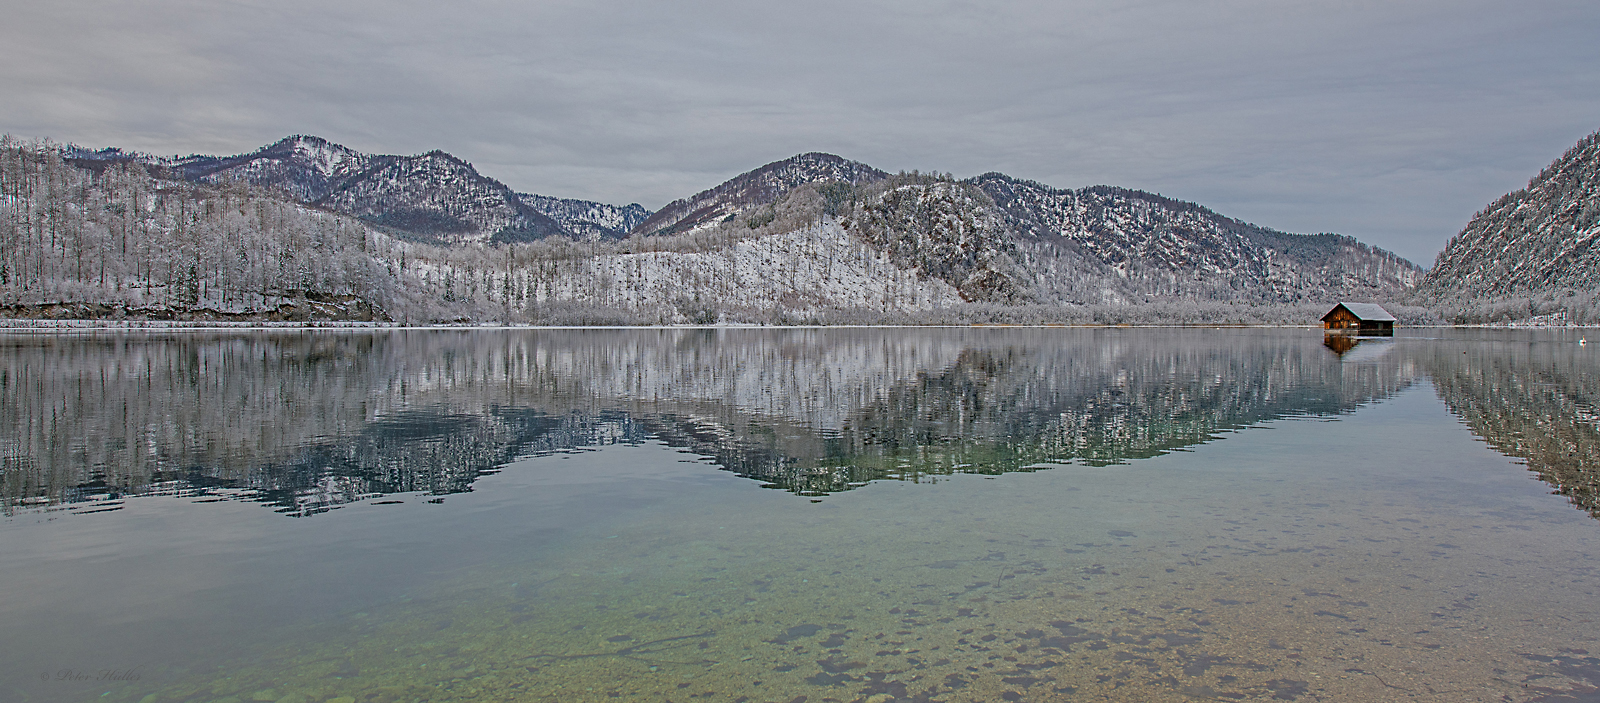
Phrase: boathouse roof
(1371, 312)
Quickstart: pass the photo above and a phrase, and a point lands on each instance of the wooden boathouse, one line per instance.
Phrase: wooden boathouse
(1360, 318)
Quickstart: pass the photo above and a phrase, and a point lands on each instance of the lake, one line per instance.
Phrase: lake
(799, 515)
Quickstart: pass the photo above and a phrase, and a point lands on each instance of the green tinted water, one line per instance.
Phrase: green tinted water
(936, 516)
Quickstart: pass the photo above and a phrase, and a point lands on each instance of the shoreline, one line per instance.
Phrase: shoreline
(60, 325)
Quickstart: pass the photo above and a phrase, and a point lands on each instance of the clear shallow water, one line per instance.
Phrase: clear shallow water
(937, 515)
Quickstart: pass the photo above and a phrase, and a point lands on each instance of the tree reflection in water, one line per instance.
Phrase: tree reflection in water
(309, 420)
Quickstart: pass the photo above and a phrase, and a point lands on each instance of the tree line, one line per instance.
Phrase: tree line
(139, 242)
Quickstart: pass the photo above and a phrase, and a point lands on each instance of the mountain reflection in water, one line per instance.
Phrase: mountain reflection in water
(1537, 399)
(309, 420)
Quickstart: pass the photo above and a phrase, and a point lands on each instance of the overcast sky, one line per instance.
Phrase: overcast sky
(1390, 121)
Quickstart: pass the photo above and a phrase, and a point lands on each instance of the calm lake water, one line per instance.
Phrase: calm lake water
(786, 516)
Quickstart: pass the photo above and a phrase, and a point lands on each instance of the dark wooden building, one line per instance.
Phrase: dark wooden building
(1361, 318)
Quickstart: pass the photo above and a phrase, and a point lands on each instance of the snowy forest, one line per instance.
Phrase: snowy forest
(119, 238)
(1529, 257)
(107, 239)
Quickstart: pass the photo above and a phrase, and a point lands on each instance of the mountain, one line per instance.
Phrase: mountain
(815, 238)
(99, 159)
(1119, 244)
(585, 218)
(305, 168)
(441, 196)
(1537, 240)
(434, 197)
(992, 238)
(998, 239)
(762, 186)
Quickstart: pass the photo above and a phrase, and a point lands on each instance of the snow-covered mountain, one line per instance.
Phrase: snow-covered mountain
(753, 189)
(814, 238)
(586, 218)
(995, 238)
(303, 167)
(441, 196)
(1537, 240)
(1003, 240)
(1114, 244)
(434, 197)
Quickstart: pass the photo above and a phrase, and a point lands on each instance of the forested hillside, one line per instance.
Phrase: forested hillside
(109, 234)
(1009, 241)
(114, 238)
(759, 187)
(1531, 253)
(585, 219)
(1131, 246)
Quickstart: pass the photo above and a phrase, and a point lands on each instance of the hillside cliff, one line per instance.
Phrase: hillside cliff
(1533, 240)
(1529, 256)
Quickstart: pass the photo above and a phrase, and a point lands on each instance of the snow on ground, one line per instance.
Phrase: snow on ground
(803, 272)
